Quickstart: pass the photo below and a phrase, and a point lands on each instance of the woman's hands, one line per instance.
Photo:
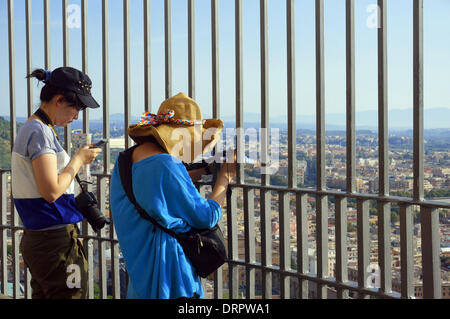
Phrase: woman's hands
(86, 154)
(52, 184)
(228, 169)
(226, 174)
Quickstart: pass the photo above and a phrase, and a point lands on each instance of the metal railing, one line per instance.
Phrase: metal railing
(271, 273)
(106, 269)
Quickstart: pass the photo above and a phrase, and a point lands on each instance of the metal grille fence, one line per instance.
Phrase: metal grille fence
(290, 281)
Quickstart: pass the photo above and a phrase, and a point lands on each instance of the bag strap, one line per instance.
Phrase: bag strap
(125, 164)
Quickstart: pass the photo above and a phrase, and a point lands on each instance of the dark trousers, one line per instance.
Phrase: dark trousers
(57, 263)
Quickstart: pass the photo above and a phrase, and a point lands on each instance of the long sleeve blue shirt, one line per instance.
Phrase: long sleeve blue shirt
(156, 263)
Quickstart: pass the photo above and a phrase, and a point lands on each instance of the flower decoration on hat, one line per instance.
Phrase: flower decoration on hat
(149, 119)
(84, 86)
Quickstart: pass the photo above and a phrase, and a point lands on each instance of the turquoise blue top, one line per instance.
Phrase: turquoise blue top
(156, 263)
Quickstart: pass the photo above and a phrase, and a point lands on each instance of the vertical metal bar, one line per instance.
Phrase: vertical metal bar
(384, 246)
(218, 277)
(105, 74)
(341, 244)
(215, 59)
(383, 133)
(47, 33)
(89, 248)
(218, 283)
(429, 220)
(320, 96)
(3, 232)
(84, 56)
(12, 76)
(103, 276)
(15, 253)
(168, 45)
(233, 269)
(406, 250)
(362, 211)
(250, 238)
(418, 100)
(264, 136)
(302, 242)
(285, 249)
(27, 282)
(65, 33)
(203, 283)
(12, 103)
(115, 267)
(27, 275)
(147, 57)
(86, 230)
(266, 242)
(350, 83)
(191, 47)
(384, 208)
(322, 242)
(126, 66)
(84, 36)
(101, 266)
(202, 191)
(291, 97)
(239, 92)
(29, 57)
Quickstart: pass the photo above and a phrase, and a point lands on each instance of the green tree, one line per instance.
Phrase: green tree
(395, 217)
(5, 144)
(278, 180)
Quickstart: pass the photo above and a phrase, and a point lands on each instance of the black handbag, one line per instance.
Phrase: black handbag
(205, 248)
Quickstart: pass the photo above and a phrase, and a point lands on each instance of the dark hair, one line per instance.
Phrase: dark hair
(49, 91)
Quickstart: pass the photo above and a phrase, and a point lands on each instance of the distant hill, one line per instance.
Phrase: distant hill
(5, 145)
(398, 120)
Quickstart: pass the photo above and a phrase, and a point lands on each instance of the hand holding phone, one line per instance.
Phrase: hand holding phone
(100, 143)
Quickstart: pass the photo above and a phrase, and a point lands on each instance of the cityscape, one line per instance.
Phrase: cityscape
(437, 186)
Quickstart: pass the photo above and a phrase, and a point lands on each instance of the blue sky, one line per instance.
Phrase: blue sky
(400, 28)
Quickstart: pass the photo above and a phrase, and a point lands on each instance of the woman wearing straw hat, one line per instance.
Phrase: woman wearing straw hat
(156, 263)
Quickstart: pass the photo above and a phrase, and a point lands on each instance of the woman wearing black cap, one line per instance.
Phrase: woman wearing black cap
(43, 189)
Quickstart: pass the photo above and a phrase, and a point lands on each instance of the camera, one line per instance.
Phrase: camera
(86, 203)
(217, 160)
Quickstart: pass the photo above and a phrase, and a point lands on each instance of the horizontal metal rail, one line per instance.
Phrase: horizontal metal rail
(362, 196)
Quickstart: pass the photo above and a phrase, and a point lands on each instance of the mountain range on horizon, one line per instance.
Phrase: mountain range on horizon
(436, 118)
(398, 119)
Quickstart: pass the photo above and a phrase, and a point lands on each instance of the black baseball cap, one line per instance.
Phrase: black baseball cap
(73, 80)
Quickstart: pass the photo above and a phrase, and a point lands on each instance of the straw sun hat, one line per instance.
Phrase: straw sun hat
(179, 128)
